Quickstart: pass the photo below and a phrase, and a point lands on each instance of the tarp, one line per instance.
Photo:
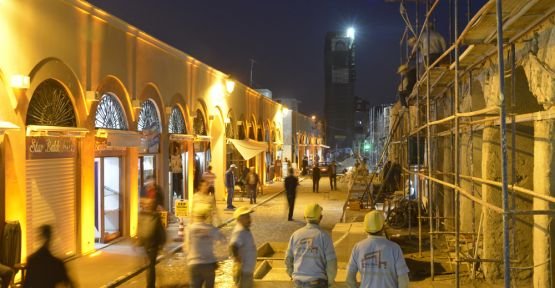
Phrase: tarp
(249, 148)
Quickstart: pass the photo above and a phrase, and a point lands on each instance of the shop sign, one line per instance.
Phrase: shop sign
(181, 208)
(41, 147)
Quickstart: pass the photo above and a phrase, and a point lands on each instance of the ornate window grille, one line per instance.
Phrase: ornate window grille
(51, 105)
(109, 114)
(176, 123)
(198, 124)
(148, 117)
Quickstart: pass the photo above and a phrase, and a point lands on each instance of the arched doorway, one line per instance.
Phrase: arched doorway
(148, 123)
(51, 167)
(201, 146)
(178, 155)
(109, 170)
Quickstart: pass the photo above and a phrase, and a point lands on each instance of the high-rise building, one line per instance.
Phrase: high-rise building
(339, 65)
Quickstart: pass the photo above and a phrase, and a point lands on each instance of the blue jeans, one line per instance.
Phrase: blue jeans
(320, 283)
(230, 191)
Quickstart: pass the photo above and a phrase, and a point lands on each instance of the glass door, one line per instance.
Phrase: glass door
(107, 198)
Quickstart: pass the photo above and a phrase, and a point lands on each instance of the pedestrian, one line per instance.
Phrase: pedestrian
(6, 275)
(230, 185)
(44, 270)
(379, 261)
(151, 233)
(210, 178)
(291, 182)
(202, 199)
(332, 170)
(253, 181)
(315, 178)
(310, 256)
(305, 165)
(243, 249)
(199, 244)
(277, 169)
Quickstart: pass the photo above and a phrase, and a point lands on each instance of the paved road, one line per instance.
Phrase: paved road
(270, 224)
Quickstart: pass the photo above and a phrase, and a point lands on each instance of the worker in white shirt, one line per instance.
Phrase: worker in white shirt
(310, 258)
(243, 249)
(200, 240)
(379, 261)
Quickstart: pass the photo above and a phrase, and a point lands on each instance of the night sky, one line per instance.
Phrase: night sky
(285, 37)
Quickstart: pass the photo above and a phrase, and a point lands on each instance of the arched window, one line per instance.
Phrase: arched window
(50, 105)
(199, 126)
(259, 134)
(109, 114)
(229, 133)
(148, 117)
(251, 131)
(176, 123)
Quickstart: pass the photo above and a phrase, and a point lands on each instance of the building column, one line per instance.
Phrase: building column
(87, 196)
(544, 182)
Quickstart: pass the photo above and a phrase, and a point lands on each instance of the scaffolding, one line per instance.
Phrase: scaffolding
(488, 37)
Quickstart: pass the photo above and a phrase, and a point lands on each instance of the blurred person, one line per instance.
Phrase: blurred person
(210, 178)
(332, 170)
(252, 182)
(150, 232)
(199, 243)
(316, 178)
(310, 256)
(230, 185)
(44, 270)
(291, 182)
(243, 249)
(6, 275)
(278, 169)
(305, 165)
(202, 199)
(379, 261)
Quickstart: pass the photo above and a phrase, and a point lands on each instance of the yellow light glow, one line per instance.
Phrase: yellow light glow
(286, 111)
(20, 81)
(95, 254)
(313, 117)
(229, 85)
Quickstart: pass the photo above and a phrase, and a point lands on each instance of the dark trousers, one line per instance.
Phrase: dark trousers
(211, 190)
(152, 253)
(230, 191)
(315, 184)
(291, 202)
(202, 274)
(333, 181)
(251, 190)
(320, 283)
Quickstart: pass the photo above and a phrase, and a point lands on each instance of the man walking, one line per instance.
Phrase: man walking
(380, 262)
(202, 199)
(315, 178)
(43, 269)
(332, 170)
(278, 169)
(291, 182)
(210, 179)
(243, 249)
(230, 185)
(199, 244)
(310, 258)
(252, 184)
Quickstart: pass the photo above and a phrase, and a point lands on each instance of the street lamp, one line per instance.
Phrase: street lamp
(313, 117)
(351, 32)
(229, 85)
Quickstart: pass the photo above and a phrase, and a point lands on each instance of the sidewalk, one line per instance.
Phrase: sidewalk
(123, 259)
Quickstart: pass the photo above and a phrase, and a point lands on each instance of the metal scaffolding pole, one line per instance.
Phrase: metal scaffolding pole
(428, 148)
(418, 135)
(503, 121)
(457, 151)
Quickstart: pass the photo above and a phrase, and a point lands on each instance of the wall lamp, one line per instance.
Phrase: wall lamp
(229, 85)
(19, 81)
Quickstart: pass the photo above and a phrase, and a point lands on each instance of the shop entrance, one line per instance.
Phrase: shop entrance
(108, 212)
(147, 168)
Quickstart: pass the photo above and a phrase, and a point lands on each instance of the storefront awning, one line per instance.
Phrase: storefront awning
(5, 126)
(182, 137)
(120, 138)
(324, 146)
(56, 131)
(249, 148)
(202, 138)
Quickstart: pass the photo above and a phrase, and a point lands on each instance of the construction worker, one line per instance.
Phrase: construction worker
(310, 258)
(199, 244)
(380, 261)
(243, 249)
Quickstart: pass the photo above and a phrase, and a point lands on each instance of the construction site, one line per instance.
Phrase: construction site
(471, 152)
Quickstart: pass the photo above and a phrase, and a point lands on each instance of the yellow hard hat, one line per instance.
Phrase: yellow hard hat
(313, 211)
(373, 221)
(241, 211)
